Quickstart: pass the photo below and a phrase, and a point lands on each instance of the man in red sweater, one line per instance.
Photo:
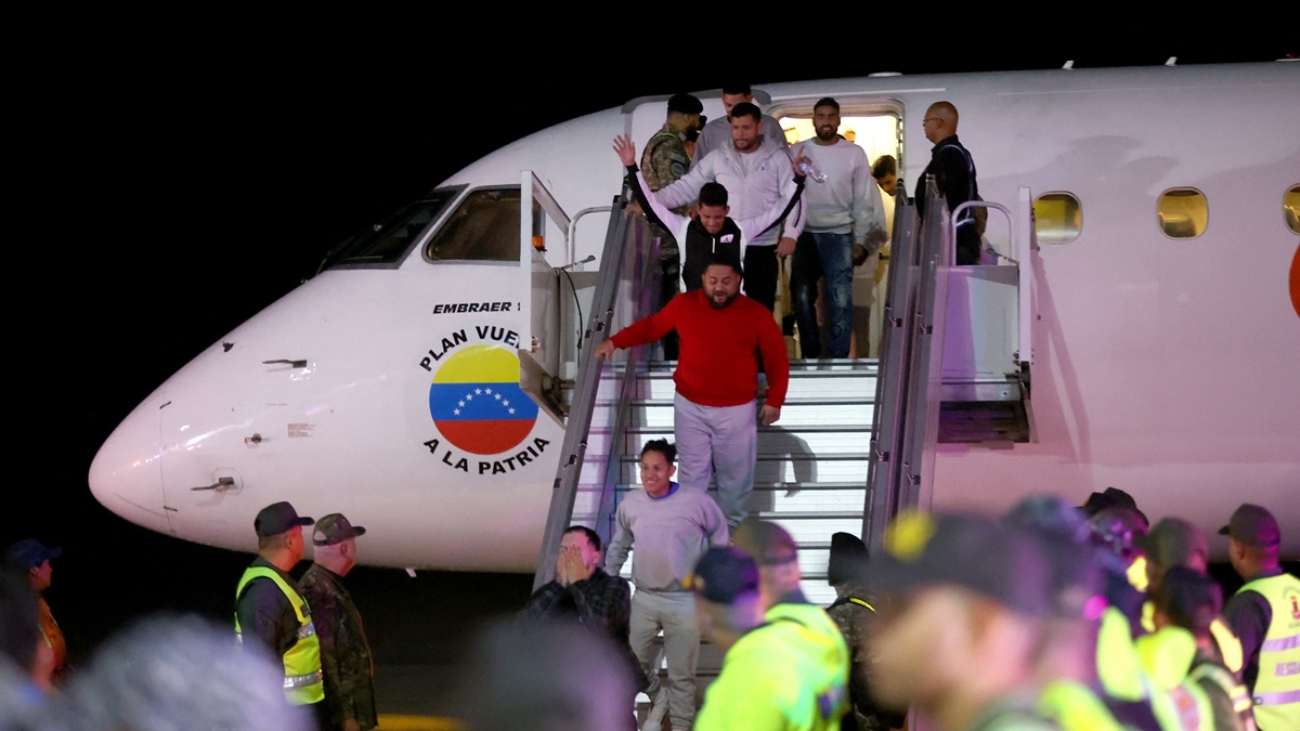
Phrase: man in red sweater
(723, 334)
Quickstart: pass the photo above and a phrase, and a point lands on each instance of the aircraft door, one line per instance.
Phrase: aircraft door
(541, 220)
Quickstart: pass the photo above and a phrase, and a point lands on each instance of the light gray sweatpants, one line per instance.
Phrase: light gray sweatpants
(721, 440)
(674, 613)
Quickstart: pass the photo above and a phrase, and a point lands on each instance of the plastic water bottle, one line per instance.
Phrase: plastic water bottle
(807, 167)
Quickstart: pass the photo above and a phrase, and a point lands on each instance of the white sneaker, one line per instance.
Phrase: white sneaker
(654, 720)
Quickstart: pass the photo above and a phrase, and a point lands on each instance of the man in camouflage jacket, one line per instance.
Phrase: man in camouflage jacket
(345, 654)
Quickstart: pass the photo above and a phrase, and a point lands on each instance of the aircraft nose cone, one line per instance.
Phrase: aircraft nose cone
(126, 475)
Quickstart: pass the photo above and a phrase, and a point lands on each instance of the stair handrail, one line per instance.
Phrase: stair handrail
(625, 237)
(881, 504)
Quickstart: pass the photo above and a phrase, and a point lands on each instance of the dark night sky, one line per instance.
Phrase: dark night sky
(170, 189)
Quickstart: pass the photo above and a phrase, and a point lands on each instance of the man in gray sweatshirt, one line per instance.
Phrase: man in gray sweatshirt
(672, 528)
(846, 223)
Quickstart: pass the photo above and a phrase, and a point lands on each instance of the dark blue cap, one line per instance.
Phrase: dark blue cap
(30, 552)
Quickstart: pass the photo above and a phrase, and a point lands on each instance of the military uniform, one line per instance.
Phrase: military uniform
(853, 614)
(663, 161)
(345, 652)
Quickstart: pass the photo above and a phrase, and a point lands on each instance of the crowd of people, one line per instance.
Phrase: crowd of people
(1054, 616)
(298, 658)
(815, 204)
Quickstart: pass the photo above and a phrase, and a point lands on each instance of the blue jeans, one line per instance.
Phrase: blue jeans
(828, 256)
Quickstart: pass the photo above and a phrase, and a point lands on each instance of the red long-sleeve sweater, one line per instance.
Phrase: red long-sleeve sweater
(718, 363)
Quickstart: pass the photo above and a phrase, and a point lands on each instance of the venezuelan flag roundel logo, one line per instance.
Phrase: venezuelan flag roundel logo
(476, 402)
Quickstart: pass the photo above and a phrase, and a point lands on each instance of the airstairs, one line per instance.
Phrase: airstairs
(856, 440)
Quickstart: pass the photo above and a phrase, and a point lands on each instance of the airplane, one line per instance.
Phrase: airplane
(400, 384)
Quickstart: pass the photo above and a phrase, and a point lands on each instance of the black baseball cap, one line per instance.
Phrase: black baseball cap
(684, 103)
(335, 528)
(848, 558)
(30, 552)
(278, 518)
(1253, 525)
(723, 574)
(995, 559)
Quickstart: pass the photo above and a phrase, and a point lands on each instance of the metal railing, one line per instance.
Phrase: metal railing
(625, 292)
(905, 428)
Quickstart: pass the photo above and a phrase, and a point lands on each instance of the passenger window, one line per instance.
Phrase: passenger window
(1291, 209)
(1058, 218)
(1183, 213)
(485, 227)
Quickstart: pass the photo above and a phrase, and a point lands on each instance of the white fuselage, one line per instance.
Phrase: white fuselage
(1166, 367)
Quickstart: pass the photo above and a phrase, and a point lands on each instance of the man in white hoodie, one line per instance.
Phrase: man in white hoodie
(754, 172)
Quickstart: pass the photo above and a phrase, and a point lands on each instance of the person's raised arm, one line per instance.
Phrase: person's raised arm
(654, 210)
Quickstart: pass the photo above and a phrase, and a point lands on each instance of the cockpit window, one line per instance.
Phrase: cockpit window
(484, 227)
(388, 242)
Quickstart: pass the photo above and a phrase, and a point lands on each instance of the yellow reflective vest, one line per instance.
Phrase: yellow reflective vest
(304, 682)
(790, 674)
(1277, 687)
(1074, 707)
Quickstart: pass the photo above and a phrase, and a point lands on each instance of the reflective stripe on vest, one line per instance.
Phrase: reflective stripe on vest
(862, 603)
(1225, 680)
(1074, 707)
(1277, 686)
(303, 680)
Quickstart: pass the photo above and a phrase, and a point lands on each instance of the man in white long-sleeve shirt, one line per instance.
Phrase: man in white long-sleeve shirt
(754, 172)
(713, 231)
(846, 223)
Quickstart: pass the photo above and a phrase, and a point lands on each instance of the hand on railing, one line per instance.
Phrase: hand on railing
(605, 351)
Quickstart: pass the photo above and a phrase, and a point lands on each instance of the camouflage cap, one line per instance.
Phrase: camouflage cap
(334, 528)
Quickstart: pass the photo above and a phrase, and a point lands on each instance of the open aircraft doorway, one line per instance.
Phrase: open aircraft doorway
(878, 134)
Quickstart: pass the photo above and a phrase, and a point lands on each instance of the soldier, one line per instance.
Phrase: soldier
(663, 161)
(345, 654)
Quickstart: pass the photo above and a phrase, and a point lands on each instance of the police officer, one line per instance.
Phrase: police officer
(270, 606)
(664, 160)
(777, 674)
(959, 634)
(1265, 615)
